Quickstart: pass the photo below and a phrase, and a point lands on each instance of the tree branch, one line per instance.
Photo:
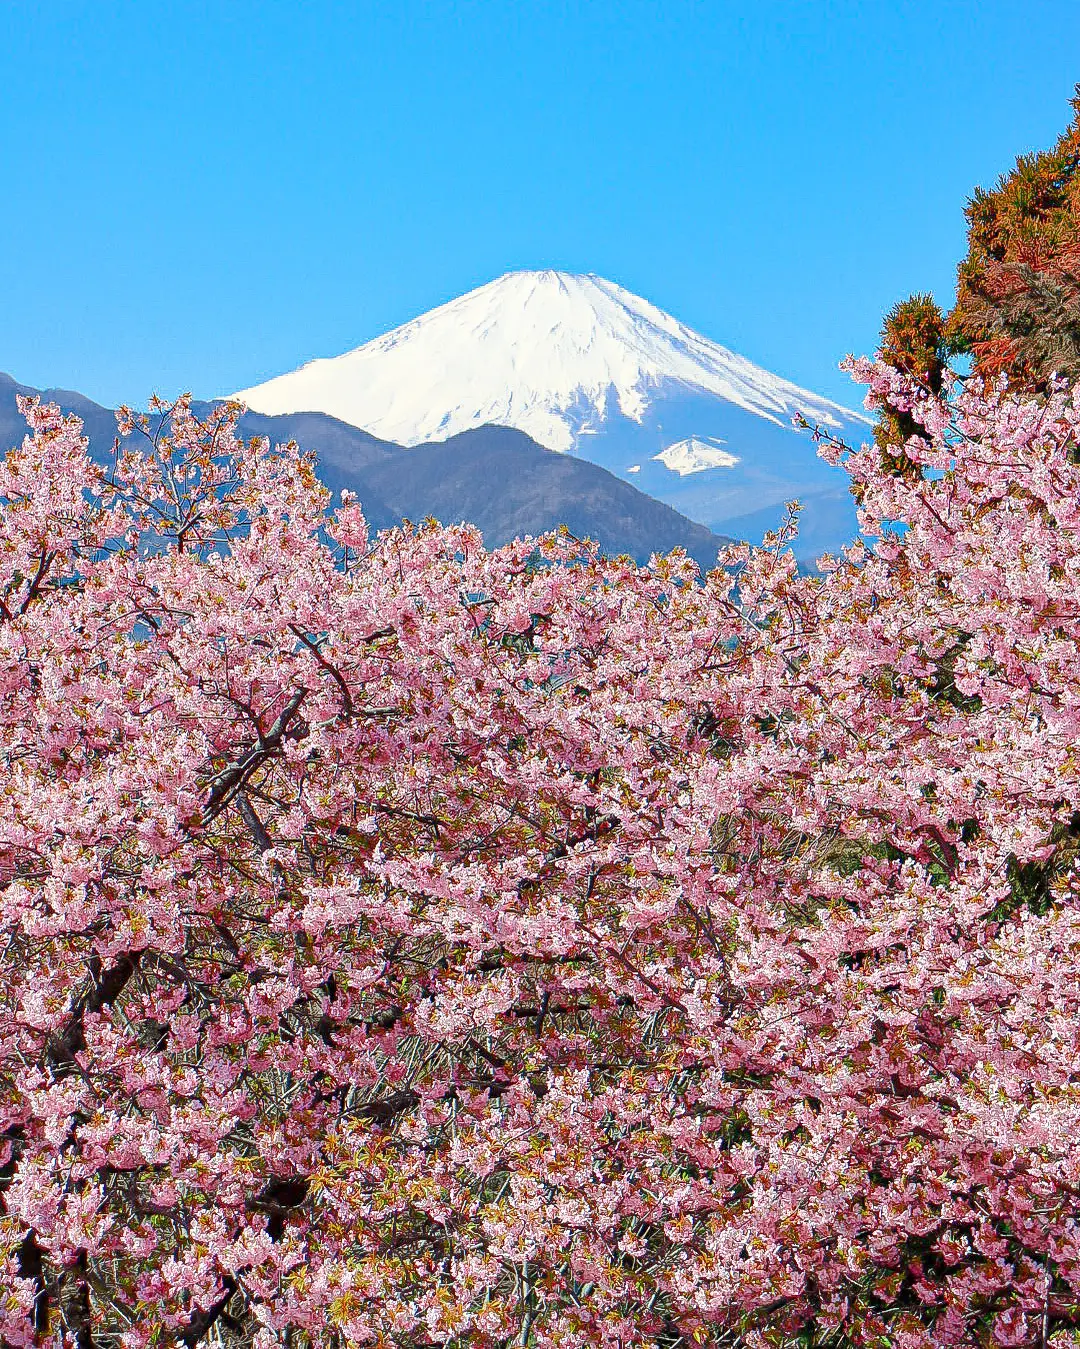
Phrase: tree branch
(229, 781)
(103, 989)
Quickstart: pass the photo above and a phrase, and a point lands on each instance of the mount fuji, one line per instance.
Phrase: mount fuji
(585, 367)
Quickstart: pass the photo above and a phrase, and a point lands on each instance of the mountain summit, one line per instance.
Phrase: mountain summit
(582, 365)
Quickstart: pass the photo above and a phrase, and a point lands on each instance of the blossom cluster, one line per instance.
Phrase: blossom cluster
(409, 944)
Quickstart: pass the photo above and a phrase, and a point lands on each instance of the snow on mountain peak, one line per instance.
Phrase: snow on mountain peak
(695, 454)
(554, 354)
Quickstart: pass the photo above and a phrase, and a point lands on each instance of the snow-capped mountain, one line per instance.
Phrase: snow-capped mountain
(584, 366)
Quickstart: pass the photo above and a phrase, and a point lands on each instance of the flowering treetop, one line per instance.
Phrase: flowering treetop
(412, 945)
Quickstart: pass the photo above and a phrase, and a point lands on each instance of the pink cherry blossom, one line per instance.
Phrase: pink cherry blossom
(411, 944)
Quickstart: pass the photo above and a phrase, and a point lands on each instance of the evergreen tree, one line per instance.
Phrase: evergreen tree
(1017, 309)
(1018, 294)
(914, 341)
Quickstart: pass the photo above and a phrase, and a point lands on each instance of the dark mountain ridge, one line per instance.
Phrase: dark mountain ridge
(497, 478)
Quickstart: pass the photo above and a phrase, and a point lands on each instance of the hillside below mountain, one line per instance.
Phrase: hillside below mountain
(495, 477)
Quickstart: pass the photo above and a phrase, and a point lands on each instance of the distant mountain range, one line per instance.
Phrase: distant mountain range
(586, 368)
(496, 477)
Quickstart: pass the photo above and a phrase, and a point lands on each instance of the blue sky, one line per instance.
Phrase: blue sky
(204, 195)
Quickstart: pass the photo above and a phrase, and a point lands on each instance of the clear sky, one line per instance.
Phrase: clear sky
(204, 195)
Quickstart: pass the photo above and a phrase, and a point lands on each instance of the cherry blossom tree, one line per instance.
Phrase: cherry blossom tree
(405, 944)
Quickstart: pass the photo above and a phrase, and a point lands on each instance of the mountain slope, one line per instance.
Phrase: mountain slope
(452, 481)
(494, 477)
(583, 366)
